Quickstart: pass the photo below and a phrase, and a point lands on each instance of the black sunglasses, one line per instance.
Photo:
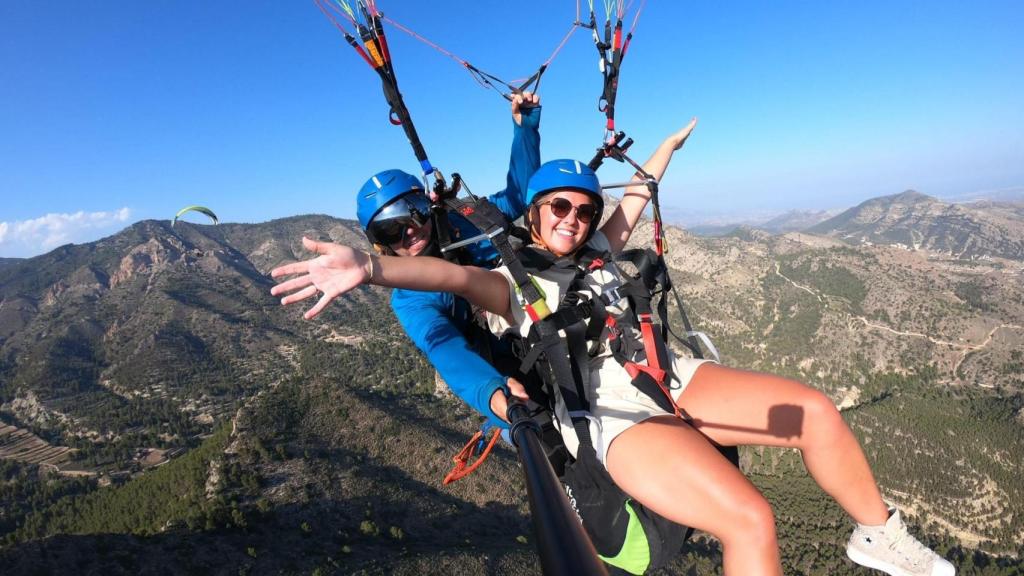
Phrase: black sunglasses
(389, 226)
(392, 231)
(561, 208)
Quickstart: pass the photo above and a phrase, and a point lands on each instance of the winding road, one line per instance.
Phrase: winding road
(965, 349)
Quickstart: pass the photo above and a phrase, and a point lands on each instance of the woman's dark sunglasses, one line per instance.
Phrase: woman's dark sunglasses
(561, 208)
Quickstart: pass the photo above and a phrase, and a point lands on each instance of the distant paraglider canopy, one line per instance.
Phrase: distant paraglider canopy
(202, 209)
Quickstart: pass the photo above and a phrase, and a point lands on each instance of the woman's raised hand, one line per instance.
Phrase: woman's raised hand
(336, 270)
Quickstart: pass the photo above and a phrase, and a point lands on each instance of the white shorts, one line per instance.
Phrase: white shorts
(615, 404)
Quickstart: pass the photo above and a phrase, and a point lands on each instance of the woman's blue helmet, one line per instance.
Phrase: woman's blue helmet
(378, 200)
(565, 174)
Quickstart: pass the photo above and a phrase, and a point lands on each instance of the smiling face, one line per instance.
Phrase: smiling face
(402, 227)
(561, 235)
(415, 240)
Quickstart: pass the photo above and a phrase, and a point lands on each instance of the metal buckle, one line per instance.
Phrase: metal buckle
(612, 296)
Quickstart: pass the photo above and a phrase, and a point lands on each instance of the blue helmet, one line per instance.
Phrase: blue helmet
(391, 195)
(565, 174)
(381, 190)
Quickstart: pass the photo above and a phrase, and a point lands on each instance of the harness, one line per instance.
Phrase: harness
(582, 317)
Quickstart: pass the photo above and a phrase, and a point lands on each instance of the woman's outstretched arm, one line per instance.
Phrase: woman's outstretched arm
(620, 224)
(338, 269)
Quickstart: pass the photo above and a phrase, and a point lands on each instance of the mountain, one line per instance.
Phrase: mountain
(99, 342)
(717, 229)
(161, 413)
(917, 221)
(791, 221)
(795, 221)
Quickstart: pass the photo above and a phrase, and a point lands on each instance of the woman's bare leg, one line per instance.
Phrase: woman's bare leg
(674, 470)
(736, 407)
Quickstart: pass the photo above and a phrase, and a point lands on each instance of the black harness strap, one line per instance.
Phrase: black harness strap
(494, 227)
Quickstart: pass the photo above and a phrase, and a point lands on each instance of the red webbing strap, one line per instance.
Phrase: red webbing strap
(461, 469)
(634, 370)
(650, 343)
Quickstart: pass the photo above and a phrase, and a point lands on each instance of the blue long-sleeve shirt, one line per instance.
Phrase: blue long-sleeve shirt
(436, 321)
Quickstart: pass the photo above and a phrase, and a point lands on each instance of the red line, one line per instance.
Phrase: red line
(320, 5)
(637, 16)
(359, 50)
(466, 64)
(575, 25)
(424, 40)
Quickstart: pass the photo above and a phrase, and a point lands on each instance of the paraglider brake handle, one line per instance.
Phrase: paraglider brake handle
(615, 148)
(441, 188)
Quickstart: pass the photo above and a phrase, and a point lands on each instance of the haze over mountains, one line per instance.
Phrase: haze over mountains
(239, 438)
(791, 221)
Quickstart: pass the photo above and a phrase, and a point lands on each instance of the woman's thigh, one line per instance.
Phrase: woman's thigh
(738, 407)
(674, 470)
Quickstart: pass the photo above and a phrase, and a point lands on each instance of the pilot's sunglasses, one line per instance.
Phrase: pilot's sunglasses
(391, 224)
(392, 231)
(561, 208)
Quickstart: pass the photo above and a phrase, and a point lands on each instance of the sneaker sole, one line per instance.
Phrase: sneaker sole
(863, 559)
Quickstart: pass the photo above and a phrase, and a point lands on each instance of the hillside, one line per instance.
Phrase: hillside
(322, 444)
(149, 337)
(917, 221)
(794, 221)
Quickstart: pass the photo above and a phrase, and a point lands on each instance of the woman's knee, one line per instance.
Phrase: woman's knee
(751, 524)
(823, 419)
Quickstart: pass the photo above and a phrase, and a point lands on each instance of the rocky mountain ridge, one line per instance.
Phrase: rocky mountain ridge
(917, 221)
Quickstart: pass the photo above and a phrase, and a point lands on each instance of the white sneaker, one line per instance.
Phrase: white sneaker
(891, 549)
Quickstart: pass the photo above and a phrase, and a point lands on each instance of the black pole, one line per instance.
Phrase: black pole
(563, 545)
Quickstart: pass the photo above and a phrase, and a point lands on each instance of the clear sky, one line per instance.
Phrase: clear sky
(116, 111)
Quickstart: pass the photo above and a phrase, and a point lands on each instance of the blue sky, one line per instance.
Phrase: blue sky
(116, 111)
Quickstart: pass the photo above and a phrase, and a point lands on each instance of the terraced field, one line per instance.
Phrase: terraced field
(23, 446)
